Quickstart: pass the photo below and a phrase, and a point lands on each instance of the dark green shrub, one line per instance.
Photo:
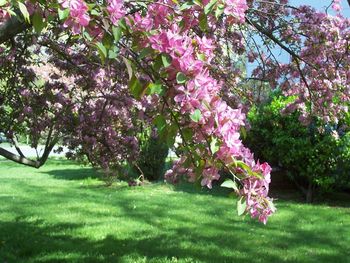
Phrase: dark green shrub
(314, 155)
(152, 157)
(343, 167)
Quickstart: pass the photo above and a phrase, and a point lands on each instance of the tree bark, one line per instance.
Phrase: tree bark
(19, 159)
(310, 193)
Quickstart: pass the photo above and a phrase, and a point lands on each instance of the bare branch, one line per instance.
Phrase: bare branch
(15, 142)
(19, 159)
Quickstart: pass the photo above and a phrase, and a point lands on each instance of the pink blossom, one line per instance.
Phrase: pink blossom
(78, 16)
(116, 10)
(236, 9)
(209, 175)
(336, 5)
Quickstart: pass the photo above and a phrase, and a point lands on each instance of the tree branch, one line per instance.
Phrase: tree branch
(271, 36)
(19, 159)
(15, 142)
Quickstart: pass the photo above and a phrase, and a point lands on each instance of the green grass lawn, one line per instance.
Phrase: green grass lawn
(63, 213)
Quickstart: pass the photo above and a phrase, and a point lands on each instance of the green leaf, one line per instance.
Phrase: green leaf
(196, 116)
(200, 167)
(209, 7)
(158, 63)
(203, 22)
(160, 122)
(136, 88)
(24, 11)
(112, 54)
(12, 13)
(198, 2)
(166, 59)
(230, 184)
(246, 168)
(214, 145)
(201, 57)
(141, 3)
(94, 12)
(243, 132)
(3, 2)
(171, 135)
(87, 35)
(63, 14)
(145, 52)
(242, 165)
(91, 6)
(107, 41)
(102, 51)
(117, 33)
(219, 10)
(186, 5)
(187, 133)
(155, 88)
(181, 78)
(38, 22)
(241, 206)
(122, 23)
(128, 67)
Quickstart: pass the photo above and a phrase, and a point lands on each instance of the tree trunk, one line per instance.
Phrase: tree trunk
(310, 193)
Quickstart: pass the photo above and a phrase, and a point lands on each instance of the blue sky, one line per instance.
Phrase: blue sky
(321, 4)
(318, 4)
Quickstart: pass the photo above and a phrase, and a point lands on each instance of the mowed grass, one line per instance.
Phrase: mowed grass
(63, 213)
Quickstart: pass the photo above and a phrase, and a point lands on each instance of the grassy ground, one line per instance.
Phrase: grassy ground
(62, 213)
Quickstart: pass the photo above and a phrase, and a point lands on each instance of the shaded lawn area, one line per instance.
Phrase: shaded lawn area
(63, 213)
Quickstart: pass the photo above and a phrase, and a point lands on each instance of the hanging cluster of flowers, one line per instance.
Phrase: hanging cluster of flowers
(166, 32)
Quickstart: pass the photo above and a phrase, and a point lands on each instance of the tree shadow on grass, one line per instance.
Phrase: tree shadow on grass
(196, 189)
(37, 243)
(334, 200)
(29, 240)
(136, 224)
(74, 174)
(145, 228)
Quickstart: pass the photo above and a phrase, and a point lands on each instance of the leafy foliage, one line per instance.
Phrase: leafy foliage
(315, 154)
(153, 154)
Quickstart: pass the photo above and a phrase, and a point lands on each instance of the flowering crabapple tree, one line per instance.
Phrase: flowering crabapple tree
(89, 74)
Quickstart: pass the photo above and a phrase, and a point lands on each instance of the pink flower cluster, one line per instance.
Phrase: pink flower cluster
(336, 5)
(254, 189)
(116, 10)
(78, 16)
(173, 175)
(155, 17)
(236, 9)
(190, 57)
(317, 76)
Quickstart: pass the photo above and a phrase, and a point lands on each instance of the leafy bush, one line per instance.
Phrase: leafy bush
(315, 156)
(152, 157)
(343, 168)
